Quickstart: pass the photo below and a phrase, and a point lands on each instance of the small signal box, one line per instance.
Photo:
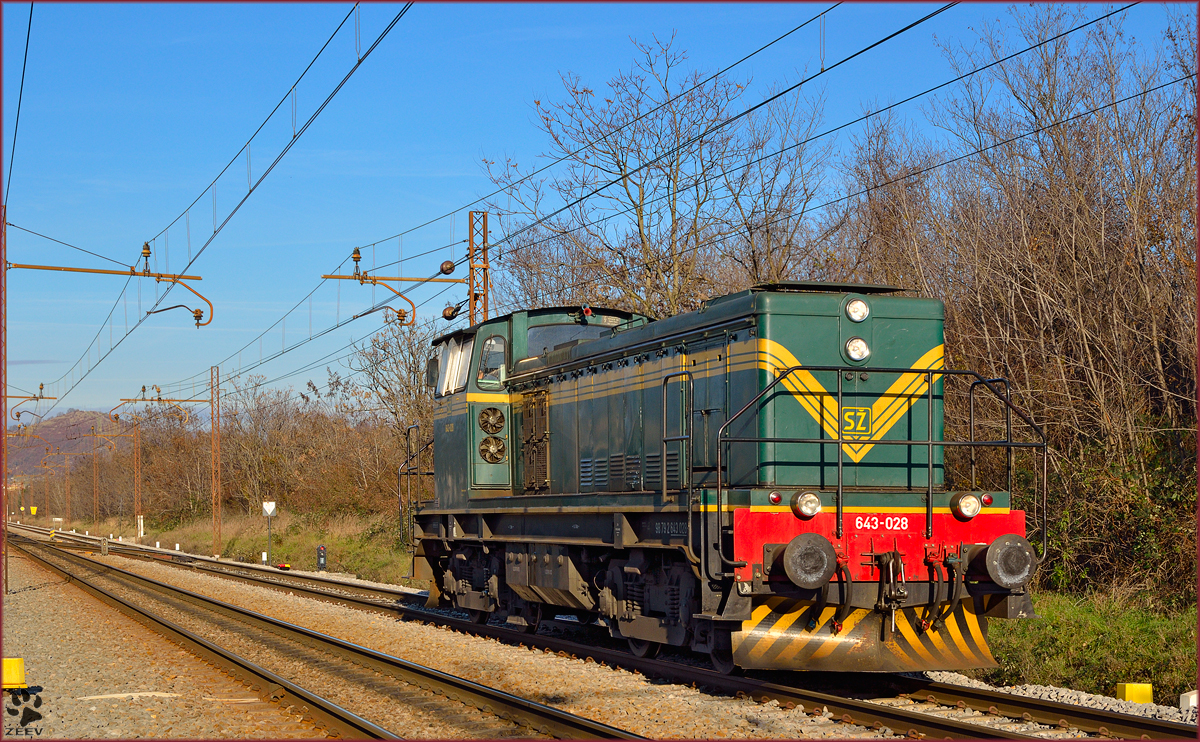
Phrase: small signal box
(14, 673)
(1136, 692)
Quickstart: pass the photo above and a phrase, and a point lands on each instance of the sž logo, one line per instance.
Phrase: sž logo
(20, 711)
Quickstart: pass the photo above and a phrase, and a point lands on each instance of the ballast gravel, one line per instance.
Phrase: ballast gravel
(406, 710)
(1077, 697)
(623, 699)
(101, 675)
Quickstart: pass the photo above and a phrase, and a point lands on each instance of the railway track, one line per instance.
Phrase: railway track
(353, 671)
(916, 708)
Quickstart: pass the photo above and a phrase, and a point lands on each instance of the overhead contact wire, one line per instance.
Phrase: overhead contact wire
(286, 149)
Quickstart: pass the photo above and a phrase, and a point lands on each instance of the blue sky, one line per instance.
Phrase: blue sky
(130, 110)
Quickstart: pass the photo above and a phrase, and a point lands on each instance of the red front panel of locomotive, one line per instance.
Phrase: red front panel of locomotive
(869, 532)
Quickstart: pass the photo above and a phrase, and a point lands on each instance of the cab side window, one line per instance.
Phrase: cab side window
(453, 364)
(447, 357)
(492, 363)
(464, 365)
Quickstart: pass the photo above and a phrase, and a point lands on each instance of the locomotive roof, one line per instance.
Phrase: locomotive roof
(834, 286)
(541, 311)
(781, 286)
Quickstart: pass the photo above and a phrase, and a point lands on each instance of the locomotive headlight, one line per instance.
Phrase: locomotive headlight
(965, 505)
(857, 310)
(857, 349)
(806, 504)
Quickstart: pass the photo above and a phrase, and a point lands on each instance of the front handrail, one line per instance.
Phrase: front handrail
(1007, 426)
(685, 452)
(841, 440)
(410, 470)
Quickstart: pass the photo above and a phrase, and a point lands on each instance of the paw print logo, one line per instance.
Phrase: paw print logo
(21, 703)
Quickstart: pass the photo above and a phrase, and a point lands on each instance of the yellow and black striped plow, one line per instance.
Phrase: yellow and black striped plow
(784, 634)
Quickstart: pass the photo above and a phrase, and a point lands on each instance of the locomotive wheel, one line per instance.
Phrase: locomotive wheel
(532, 613)
(477, 616)
(721, 655)
(644, 648)
(722, 661)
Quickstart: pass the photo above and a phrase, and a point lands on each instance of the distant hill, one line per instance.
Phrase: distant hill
(66, 432)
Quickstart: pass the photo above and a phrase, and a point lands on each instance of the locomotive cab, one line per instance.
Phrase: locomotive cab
(771, 480)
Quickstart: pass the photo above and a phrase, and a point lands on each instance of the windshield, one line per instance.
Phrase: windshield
(491, 363)
(544, 338)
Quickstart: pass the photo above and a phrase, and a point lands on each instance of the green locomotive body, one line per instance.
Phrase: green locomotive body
(761, 480)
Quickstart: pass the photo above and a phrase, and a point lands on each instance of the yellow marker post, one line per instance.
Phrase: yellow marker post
(14, 673)
(1136, 692)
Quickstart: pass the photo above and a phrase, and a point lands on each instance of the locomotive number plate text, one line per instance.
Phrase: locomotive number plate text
(881, 522)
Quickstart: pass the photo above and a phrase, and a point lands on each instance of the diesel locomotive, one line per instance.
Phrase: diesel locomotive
(763, 480)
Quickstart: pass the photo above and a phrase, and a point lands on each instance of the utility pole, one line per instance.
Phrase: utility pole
(67, 482)
(137, 441)
(108, 440)
(137, 470)
(95, 482)
(477, 260)
(214, 399)
(478, 280)
(4, 372)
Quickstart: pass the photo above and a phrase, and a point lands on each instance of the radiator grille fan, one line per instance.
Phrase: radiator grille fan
(492, 449)
(491, 420)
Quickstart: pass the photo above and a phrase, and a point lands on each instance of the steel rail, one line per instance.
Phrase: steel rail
(1052, 713)
(522, 711)
(846, 710)
(325, 714)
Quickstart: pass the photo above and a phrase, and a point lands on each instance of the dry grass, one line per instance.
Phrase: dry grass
(367, 547)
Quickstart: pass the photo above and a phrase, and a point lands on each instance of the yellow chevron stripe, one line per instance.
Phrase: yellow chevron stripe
(911, 637)
(957, 635)
(976, 633)
(801, 640)
(760, 612)
(851, 621)
(888, 409)
(776, 632)
(941, 646)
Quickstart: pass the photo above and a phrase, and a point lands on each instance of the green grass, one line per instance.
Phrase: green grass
(1092, 643)
(367, 547)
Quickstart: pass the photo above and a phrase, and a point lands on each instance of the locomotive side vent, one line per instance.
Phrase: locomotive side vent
(673, 480)
(586, 473)
(653, 476)
(601, 473)
(633, 472)
(616, 470)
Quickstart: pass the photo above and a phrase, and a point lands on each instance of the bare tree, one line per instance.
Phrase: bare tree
(686, 195)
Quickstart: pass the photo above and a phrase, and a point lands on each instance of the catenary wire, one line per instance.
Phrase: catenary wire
(282, 100)
(718, 125)
(185, 381)
(944, 163)
(75, 382)
(532, 174)
(708, 131)
(583, 147)
(67, 244)
(20, 97)
(864, 117)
